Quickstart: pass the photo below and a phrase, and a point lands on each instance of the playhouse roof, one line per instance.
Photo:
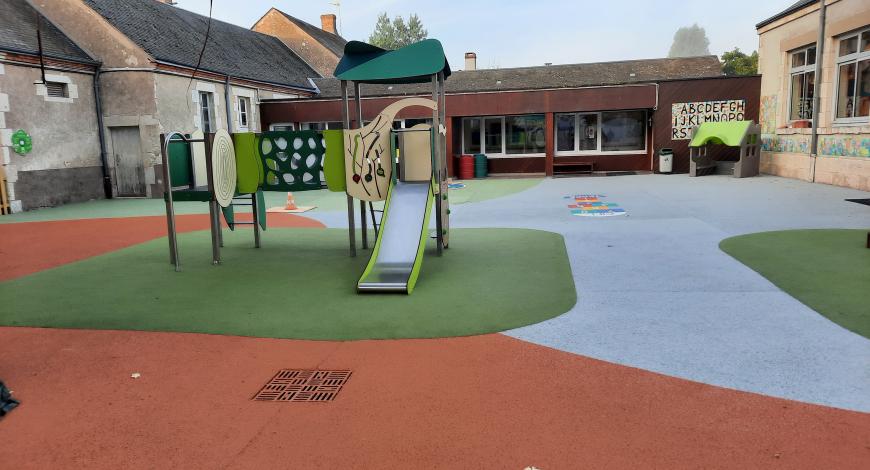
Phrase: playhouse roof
(728, 133)
(415, 63)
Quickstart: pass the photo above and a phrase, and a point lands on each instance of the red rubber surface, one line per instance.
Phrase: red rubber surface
(476, 402)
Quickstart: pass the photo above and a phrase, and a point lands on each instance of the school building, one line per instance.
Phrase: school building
(553, 119)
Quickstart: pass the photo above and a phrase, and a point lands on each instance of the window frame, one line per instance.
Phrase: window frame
(598, 151)
(853, 58)
(290, 125)
(503, 151)
(244, 102)
(209, 108)
(803, 69)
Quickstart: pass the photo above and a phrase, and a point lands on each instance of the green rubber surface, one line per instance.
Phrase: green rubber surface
(491, 188)
(828, 270)
(301, 284)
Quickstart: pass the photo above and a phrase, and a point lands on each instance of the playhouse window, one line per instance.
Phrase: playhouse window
(853, 78)
(803, 75)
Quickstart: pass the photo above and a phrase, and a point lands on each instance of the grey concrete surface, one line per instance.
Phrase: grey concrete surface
(655, 292)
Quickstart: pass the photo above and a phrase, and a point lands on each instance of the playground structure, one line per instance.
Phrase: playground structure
(405, 168)
(745, 135)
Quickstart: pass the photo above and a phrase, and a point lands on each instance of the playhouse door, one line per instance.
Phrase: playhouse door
(127, 156)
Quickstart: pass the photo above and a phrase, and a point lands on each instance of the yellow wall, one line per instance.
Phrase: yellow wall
(844, 150)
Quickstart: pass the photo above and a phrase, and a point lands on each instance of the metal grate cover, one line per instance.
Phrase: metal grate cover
(303, 385)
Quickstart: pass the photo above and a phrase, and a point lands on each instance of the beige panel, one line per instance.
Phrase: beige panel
(367, 152)
(416, 154)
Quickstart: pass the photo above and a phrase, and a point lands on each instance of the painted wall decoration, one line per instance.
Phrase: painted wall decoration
(292, 160)
(845, 145)
(829, 145)
(592, 205)
(795, 143)
(22, 144)
(686, 116)
(768, 114)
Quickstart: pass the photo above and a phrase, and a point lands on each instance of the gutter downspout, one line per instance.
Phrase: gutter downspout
(104, 158)
(820, 48)
(229, 105)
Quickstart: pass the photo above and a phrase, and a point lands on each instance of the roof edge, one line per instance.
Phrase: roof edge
(788, 11)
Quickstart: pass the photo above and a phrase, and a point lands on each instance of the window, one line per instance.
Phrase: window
(853, 78)
(321, 126)
(803, 75)
(524, 134)
(56, 90)
(622, 130)
(206, 111)
(608, 131)
(504, 136)
(244, 107)
(282, 126)
(471, 135)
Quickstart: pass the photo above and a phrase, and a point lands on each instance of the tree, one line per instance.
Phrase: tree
(396, 33)
(737, 63)
(690, 41)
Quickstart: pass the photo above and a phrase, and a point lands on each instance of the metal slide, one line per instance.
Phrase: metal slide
(398, 251)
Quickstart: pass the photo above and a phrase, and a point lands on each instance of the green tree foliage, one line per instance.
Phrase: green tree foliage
(397, 33)
(690, 41)
(737, 63)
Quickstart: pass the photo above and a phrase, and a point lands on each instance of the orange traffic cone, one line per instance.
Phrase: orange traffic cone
(291, 203)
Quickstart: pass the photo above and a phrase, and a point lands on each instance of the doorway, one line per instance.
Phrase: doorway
(129, 167)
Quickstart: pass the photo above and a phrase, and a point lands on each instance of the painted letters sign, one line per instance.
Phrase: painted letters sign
(686, 116)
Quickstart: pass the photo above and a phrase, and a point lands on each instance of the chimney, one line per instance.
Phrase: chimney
(470, 61)
(327, 23)
(168, 2)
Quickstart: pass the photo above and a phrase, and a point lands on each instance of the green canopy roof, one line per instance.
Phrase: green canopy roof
(728, 133)
(414, 63)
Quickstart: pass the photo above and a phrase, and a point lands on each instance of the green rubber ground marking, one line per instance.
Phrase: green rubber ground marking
(828, 270)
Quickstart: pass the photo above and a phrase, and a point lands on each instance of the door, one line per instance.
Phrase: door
(129, 168)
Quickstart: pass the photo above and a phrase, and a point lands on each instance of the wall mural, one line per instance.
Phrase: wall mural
(768, 114)
(687, 116)
(22, 144)
(829, 145)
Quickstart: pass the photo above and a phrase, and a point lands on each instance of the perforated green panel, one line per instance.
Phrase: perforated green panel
(292, 160)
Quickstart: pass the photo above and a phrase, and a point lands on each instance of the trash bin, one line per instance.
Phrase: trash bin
(480, 166)
(466, 167)
(666, 160)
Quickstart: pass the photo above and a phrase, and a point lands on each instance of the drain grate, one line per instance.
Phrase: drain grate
(303, 385)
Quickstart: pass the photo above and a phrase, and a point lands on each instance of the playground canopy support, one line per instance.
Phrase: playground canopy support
(743, 134)
(420, 62)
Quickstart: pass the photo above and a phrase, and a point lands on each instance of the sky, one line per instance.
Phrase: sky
(509, 33)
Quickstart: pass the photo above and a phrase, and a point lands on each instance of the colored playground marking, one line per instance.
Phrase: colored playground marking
(828, 270)
(45, 245)
(300, 284)
(409, 404)
(592, 205)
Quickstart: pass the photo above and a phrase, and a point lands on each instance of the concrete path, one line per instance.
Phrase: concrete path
(655, 291)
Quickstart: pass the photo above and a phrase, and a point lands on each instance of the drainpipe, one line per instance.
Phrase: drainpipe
(104, 159)
(820, 48)
(229, 105)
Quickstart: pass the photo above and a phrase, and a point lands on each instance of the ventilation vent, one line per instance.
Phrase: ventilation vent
(57, 89)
